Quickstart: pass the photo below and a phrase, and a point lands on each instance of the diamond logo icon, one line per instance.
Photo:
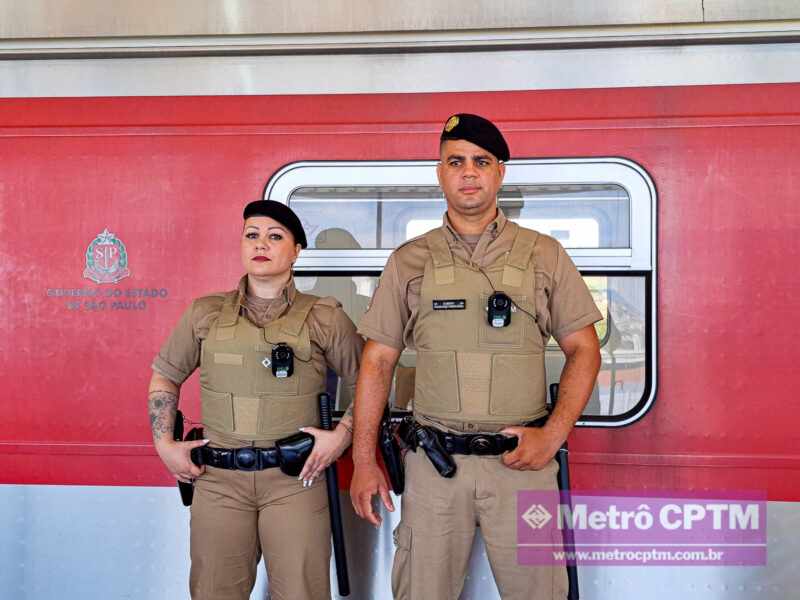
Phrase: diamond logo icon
(537, 516)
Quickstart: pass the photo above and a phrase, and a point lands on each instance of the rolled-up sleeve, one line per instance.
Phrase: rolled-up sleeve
(388, 312)
(570, 301)
(180, 354)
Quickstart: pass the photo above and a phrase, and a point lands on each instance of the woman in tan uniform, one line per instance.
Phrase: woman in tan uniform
(263, 351)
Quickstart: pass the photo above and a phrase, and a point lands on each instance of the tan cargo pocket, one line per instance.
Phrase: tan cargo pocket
(516, 384)
(245, 415)
(217, 408)
(436, 385)
(401, 570)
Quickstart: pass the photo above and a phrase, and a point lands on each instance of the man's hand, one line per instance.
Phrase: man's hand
(328, 446)
(536, 447)
(368, 480)
(176, 456)
(372, 393)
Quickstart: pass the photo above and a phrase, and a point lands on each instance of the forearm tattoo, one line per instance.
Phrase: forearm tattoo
(162, 406)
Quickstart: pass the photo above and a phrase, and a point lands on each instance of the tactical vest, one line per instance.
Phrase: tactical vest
(239, 394)
(467, 370)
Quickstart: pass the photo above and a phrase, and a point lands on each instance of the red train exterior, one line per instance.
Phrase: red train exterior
(168, 177)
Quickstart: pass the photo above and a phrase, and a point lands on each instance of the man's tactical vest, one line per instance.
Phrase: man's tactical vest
(240, 395)
(467, 370)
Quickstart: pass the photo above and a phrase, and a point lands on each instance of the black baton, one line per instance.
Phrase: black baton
(186, 489)
(562, 458)
(334, 508)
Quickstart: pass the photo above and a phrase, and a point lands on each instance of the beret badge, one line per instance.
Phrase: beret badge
(451, 124)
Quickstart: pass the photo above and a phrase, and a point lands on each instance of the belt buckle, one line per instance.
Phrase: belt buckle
(481, 445)
(245, 459)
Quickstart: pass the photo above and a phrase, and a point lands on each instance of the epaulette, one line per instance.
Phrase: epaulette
(411, 241)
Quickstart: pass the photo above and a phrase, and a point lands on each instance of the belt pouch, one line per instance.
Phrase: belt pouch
(293, 452)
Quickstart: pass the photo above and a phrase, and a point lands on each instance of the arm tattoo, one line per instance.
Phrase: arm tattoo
(162, 406)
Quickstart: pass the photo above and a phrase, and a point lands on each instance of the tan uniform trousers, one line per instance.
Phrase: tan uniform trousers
(237, 515)
(434, 538)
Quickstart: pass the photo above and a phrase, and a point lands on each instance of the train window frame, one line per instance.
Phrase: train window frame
(638, 260)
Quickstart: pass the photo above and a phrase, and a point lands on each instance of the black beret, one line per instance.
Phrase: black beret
(477, 130)
(281, 213)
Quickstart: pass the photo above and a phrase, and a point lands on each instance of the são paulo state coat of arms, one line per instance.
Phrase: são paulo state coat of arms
(106, 259)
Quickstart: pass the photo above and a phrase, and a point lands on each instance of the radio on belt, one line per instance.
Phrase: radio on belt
(499, 310)
(282, 361)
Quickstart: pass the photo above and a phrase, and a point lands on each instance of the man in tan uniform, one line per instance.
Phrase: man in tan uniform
(244, 506)
(477, 298)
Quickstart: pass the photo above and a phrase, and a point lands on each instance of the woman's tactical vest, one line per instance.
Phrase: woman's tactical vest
(467, 370)
(240, 396)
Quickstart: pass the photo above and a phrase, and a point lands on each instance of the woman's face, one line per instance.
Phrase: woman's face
(268, 248)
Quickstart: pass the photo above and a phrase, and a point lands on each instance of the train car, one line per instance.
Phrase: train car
(669, 174)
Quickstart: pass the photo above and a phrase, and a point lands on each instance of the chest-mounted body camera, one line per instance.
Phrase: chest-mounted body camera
(498, 310)
(282, 361)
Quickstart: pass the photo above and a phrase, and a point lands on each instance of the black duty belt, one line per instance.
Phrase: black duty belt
(241, 459)
(480, 444)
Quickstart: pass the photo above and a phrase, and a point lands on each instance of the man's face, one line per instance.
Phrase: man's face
(469, 176)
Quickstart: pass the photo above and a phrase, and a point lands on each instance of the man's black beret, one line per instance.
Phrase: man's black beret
(477, 130)
(281, 213)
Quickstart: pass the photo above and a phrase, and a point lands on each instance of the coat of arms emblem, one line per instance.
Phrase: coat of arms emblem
(106, 259)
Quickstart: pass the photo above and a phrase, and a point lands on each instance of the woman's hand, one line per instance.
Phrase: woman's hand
(328, 446)
(176, 456)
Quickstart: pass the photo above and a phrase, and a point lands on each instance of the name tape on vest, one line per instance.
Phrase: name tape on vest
(450, 304)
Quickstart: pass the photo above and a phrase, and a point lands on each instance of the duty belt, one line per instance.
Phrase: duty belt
(239, 459)
(289, 453)
(480, 444)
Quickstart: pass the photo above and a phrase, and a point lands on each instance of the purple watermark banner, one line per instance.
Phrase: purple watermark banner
(612, 528)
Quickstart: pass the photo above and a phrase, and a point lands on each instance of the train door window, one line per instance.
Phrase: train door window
(601, 210)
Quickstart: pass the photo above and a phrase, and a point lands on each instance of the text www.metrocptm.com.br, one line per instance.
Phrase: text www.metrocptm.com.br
(640, 556)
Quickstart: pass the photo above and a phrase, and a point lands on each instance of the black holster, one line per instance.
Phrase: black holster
(416, 435)
(392, 454)
(293, 452)
(196, 433)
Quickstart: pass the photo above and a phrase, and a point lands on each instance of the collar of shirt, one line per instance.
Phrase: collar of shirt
(264, 310)
(490, 234)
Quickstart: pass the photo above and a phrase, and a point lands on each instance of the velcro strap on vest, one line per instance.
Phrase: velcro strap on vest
(229, 316)
(289, 328)
(293, 321)
(520, 256)
(443, 264)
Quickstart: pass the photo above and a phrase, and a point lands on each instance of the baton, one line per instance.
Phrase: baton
(562, 458)
(334, 508)
(186, 489)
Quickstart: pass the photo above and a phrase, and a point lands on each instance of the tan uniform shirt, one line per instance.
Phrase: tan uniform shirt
(331, 330)
(562, 300)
